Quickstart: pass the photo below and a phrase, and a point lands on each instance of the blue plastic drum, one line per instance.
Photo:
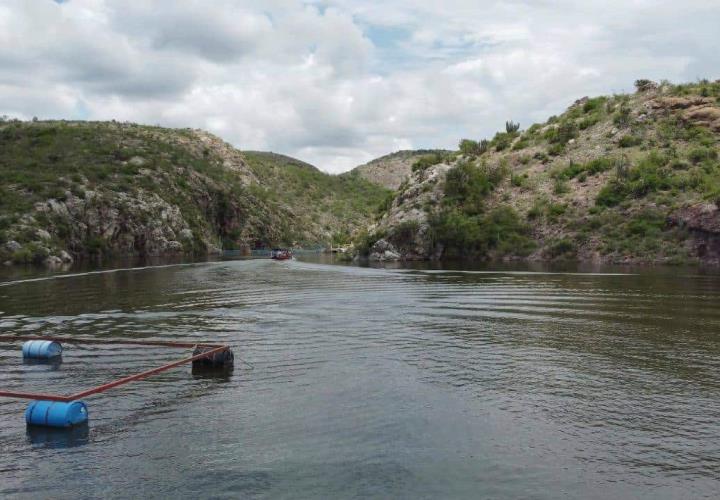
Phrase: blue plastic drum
(41, 349)
(56, 413)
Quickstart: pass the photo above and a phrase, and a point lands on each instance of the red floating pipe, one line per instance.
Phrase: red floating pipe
(101, 388)
(105, 387)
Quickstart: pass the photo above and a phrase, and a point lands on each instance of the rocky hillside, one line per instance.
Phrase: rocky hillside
(623, 178)
(74, 189)
(391, 170)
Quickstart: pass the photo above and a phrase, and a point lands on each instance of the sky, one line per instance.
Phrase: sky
(337, 83)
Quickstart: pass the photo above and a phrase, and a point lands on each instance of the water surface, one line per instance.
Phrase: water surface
(402, 383)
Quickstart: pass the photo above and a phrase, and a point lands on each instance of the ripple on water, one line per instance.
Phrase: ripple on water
(371, 382)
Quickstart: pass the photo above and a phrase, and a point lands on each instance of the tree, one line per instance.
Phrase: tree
(469, 147)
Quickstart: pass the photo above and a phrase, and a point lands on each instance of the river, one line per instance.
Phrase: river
(359, 382)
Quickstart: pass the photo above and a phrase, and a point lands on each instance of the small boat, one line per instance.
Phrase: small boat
(281, 254)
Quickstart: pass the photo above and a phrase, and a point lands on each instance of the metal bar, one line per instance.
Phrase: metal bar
(74, 340)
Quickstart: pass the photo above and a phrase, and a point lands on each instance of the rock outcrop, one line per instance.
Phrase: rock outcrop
(624, 179)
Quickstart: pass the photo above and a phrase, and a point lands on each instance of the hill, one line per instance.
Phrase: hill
(623, 178)
(391, 170)
(74, 189)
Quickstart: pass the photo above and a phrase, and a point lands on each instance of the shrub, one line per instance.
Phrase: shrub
(561, 248)
(593, 104)
(365, 240)
(643, 85)
(628, 141)
(562, 134)
(502, 140)
(404, 232)
(469, 147)
(518, 180)
(427, 161)
(542, 157)
(611, 194)
(556, 149)
(467, 186)
(521, 144)
(561, 187)
(588, 122)
(555, 210)
(622, 116)
(500, 231)
(700, 154)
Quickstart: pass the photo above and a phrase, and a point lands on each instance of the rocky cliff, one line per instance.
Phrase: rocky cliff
(390, 171)
(74, 189)
(624, 178)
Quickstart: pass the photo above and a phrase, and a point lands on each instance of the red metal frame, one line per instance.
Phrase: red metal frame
(215, 348)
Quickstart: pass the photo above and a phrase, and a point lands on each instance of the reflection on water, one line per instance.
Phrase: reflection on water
(58, 438)
(388, 382)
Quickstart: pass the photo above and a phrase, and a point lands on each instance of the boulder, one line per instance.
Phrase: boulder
(66, 257)
(137, 161)
(43, 235)
(13, 246)
(53, 261)
(383, 251)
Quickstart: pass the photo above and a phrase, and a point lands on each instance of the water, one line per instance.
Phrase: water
(374, 383)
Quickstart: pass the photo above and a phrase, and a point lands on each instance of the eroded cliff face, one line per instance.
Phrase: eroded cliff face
(622, 179)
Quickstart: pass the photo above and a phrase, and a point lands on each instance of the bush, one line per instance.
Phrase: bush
(643, 85)
(561, 248)
(611, 194)
(518, 180)
(594, 104)
(700, 154)
(555, 210)
(521, 144)
(500, 231)
(561, 187)
(556, 149)
(404, 232)
(468, 147)
(566, 131)
(622, 116)
(467, 186)
(628, 141)
(427, 161)
(502, 140)
(588, 122)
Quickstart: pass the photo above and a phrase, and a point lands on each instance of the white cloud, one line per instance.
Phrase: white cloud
(338, 82)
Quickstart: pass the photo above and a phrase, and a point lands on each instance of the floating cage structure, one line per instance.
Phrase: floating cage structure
(67, 411)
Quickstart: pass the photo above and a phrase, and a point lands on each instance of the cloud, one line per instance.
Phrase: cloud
(338, 82)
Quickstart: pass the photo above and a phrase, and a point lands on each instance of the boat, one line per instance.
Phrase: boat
(281, 254)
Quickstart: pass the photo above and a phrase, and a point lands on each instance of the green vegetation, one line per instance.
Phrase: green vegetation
(465, 229)
(619, 178)
(429, 160)
(103, 187)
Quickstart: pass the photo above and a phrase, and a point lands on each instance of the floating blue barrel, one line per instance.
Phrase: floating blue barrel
(41, 349)
(56, 413)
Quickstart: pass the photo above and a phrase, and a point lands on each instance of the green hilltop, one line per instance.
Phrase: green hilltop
(622, 178)
(77, 189)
